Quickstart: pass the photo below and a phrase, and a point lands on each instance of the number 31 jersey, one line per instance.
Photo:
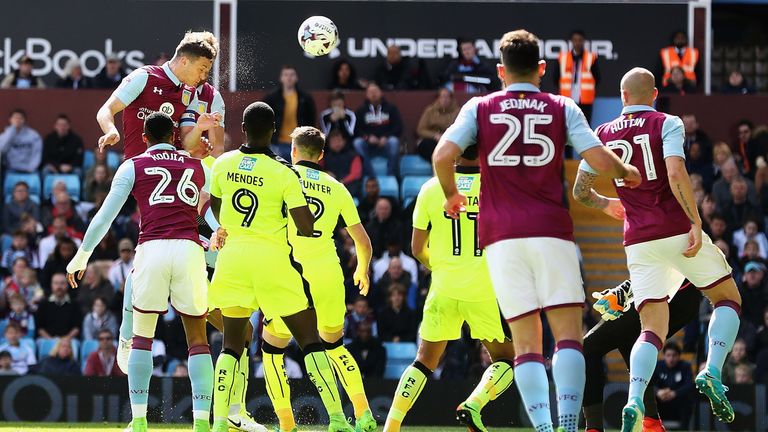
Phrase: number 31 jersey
(521, 134)
(459, 269)
(329, 200)
(256, 188)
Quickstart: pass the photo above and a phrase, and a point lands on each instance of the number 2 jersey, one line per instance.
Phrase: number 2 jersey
(328, 200)
(256, 189)
(643, 138)
(459, 268)
(521, 134)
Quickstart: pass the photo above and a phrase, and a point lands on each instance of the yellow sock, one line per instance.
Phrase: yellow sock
(495, 381)
(349, 374)
(278, 389)
(225, 376)
(408, 390)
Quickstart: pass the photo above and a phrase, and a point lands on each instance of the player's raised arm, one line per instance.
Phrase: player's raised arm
(130, 88)
(364, 250)
(118, 194)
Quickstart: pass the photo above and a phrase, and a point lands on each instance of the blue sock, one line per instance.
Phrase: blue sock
(201, 375)
(126, 326)
(642, 363)
(532, 382)
(569, 374)
(723, 327)
(139, 373)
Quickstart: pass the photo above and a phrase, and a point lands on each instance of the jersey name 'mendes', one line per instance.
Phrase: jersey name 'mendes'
(167, 156)
(533, 104)
(245, 178)
(316, 187)
(627, 123)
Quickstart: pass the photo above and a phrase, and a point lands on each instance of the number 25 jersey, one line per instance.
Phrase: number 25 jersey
(256, 189)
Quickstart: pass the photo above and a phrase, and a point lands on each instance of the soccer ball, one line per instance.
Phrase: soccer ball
(318, 36)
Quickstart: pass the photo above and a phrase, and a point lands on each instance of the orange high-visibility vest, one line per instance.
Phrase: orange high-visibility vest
(587, 93)
(670, 59)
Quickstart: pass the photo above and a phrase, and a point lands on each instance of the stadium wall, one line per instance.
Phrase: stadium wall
(717, 114)
(37, 398)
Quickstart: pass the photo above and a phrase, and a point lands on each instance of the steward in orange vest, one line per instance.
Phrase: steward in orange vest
(679, 54)
(577, 74)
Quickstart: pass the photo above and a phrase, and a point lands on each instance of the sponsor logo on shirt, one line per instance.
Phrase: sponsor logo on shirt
(464, 183)
(167, 108)
(247, 164)
(313, 174)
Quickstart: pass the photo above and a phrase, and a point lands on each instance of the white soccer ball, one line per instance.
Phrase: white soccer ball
(318, 36)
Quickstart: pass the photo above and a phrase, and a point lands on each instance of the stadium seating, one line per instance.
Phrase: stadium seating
(44, 347)
(113, 160)
(399, 356)
(379, 166)
(410, 188)
(388, 186)
(414, 165)
(5, 243)
(89, 159)
(33, 180)
(34, 198)
(172, 364)
(71, 181)
(86, 349)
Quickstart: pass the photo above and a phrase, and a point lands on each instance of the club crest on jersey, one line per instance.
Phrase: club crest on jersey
(247, 164)
(464, 183)
(313, 174)
(186, 97)
(202, 107)
(167, 108)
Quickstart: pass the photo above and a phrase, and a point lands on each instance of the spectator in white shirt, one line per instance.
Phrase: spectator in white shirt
(22, 355)
(750, 231)
(123, 265)
(59, 230)
(394, 249)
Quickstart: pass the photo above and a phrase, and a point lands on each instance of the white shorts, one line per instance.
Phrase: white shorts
(658, 267)
(531, 274)
(172, 269)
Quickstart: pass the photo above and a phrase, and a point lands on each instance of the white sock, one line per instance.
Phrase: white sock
(139, 410)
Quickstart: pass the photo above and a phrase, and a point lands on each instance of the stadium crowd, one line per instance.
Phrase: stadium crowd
(53, 186)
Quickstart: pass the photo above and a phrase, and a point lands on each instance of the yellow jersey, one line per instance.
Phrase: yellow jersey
(328, 200)
(256, 191)
(459, 268)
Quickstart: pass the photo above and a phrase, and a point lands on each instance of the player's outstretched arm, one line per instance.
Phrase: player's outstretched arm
(106, 118)
(364, 251)
(443, 160)
(681, 186)
(304, 220)
(419, 241)
(607, 163)
(122, 185)
(587, 196)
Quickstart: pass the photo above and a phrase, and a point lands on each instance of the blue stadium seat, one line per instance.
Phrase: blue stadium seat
(89, 158)
(86, 349)
(72, 182)
(400, 351)
(113, 160)
(172, 365)
(33, 180)
(34, 198)
(388, 186)
(410, 188)
(414, 165)
(5, 243)
(394, 371)
(44, 346)
(3, 324)
(379, 166)
(75, 349)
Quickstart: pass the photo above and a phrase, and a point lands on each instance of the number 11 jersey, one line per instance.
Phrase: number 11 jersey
(256, 188)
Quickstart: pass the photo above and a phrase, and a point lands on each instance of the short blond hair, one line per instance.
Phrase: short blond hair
(198, 44)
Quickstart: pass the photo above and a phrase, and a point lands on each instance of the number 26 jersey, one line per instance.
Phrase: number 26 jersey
(256, 188)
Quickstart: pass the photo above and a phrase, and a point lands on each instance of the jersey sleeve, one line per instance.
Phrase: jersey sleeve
(584, 166)
(122, 185)
(218, 105)
(132, 86)
(293, 194)
(207, 173)
(189, 118)
(673, 137)
(420, 211)
(580, 135)
(348, 210)
(463, 131)
(214, 188)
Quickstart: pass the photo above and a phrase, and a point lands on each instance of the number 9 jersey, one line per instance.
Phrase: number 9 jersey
(256, 189)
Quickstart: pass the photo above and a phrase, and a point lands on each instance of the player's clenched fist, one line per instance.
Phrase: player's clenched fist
(633, 178)
(361, 280)
(110, 138)
(77, 266)
(455, 205)
(218, 238)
